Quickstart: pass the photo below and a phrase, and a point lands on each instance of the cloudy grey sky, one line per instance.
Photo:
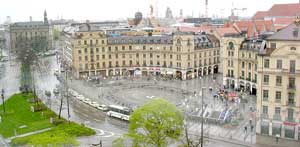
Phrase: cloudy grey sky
(20, 10)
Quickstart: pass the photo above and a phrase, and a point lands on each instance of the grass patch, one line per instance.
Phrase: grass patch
(62, 134)
(18, 114)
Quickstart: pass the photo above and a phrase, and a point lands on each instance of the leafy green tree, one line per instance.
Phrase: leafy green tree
(155, 124)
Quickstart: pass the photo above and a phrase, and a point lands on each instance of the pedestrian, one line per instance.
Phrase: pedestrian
(245, 129)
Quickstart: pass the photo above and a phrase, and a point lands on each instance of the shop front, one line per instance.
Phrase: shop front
(264, 127)
(289, 130)
(276, 129)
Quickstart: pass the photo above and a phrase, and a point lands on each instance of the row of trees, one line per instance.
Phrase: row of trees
(157, 124)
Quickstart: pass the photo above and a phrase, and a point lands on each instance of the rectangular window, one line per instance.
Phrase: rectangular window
(278, 80)
(249, 66)
(292, 66)
(265, 110)
(291, 97)
(266, 79)
(123, 63)
(290, 114)
(243, 64)
(278, 96)
(103, 49)
(123, 55)
(144, 55)
(103, 56)
(273, 45)
(266, 63)
(277, 111)
(265, 95)
(123, 48)
(97, 57)
(292, 83)
(79, 51)
(279, 64)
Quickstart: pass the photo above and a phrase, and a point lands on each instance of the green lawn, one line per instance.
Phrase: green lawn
(62, 134)
(18, 114)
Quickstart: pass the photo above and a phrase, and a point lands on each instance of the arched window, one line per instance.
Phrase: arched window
(293, 48)
(231, 45)
(178, 41)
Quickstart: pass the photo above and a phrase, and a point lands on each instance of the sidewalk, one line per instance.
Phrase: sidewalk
(267, 141)
(27, 134)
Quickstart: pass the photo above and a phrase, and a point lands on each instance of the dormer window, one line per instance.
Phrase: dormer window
(293, 48)
(273, 45)
(231, 46)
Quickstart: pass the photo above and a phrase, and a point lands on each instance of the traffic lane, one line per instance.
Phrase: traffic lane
(97, 118)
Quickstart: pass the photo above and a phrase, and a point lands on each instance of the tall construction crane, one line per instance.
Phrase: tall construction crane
(206, 8)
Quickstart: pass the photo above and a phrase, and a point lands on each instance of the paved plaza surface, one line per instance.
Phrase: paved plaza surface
(134, 92)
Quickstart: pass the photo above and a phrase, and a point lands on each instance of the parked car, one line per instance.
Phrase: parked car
(94, 104)
(102, 108)
(80, 97)
(87, 101)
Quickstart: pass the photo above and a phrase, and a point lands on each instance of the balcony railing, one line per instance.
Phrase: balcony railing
(289, 119)
(277, 117)
(264, 116)
(292, 87)
(290, 103)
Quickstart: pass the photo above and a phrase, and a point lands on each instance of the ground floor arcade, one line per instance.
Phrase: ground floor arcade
(183, 74)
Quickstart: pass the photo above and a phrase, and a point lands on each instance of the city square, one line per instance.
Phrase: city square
(139, 76)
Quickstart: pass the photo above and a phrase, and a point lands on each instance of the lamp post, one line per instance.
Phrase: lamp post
(202, 115)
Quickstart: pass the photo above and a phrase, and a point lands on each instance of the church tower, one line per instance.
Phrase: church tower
(45, 17)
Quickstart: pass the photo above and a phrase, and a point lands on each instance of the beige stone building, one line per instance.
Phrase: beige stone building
(25, 34)
(182, 55)
(278, 93)
(240, 62)
(270, 69)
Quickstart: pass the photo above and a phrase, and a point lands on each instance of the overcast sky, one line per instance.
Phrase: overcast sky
(20, 10)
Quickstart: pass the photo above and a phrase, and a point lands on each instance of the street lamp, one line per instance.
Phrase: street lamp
(2, 96)
(202, 115)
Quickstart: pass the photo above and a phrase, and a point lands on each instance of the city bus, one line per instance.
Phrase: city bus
(120, 112)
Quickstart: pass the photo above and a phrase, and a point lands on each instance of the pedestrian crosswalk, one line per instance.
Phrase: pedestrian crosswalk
(236, 133)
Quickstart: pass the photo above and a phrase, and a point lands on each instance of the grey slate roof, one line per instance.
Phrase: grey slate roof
(163, 39)
(287, 33)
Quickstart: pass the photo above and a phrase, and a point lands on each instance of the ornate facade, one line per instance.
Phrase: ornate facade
(181, 55)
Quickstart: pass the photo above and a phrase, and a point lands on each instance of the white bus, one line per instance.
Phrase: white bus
(119, 112)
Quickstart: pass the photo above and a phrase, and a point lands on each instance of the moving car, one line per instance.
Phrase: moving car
(87, 101)
(94, 104)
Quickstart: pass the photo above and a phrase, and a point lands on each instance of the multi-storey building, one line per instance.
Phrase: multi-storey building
(268, 68)
(183, 55)
(278, 92)
(24, 34)
(240, 62)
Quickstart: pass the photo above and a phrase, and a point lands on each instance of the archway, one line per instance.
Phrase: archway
(216, 69)
(200, 72)
(254, 91)
(189, 75)
(204, 70)
(209, 70)
(179, 75)
(110, 72)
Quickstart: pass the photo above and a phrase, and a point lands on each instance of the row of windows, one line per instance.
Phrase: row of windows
(124, 64)
(292, 67)
(290, 112)
(178, 57)
(249, 66)
(291, 82)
